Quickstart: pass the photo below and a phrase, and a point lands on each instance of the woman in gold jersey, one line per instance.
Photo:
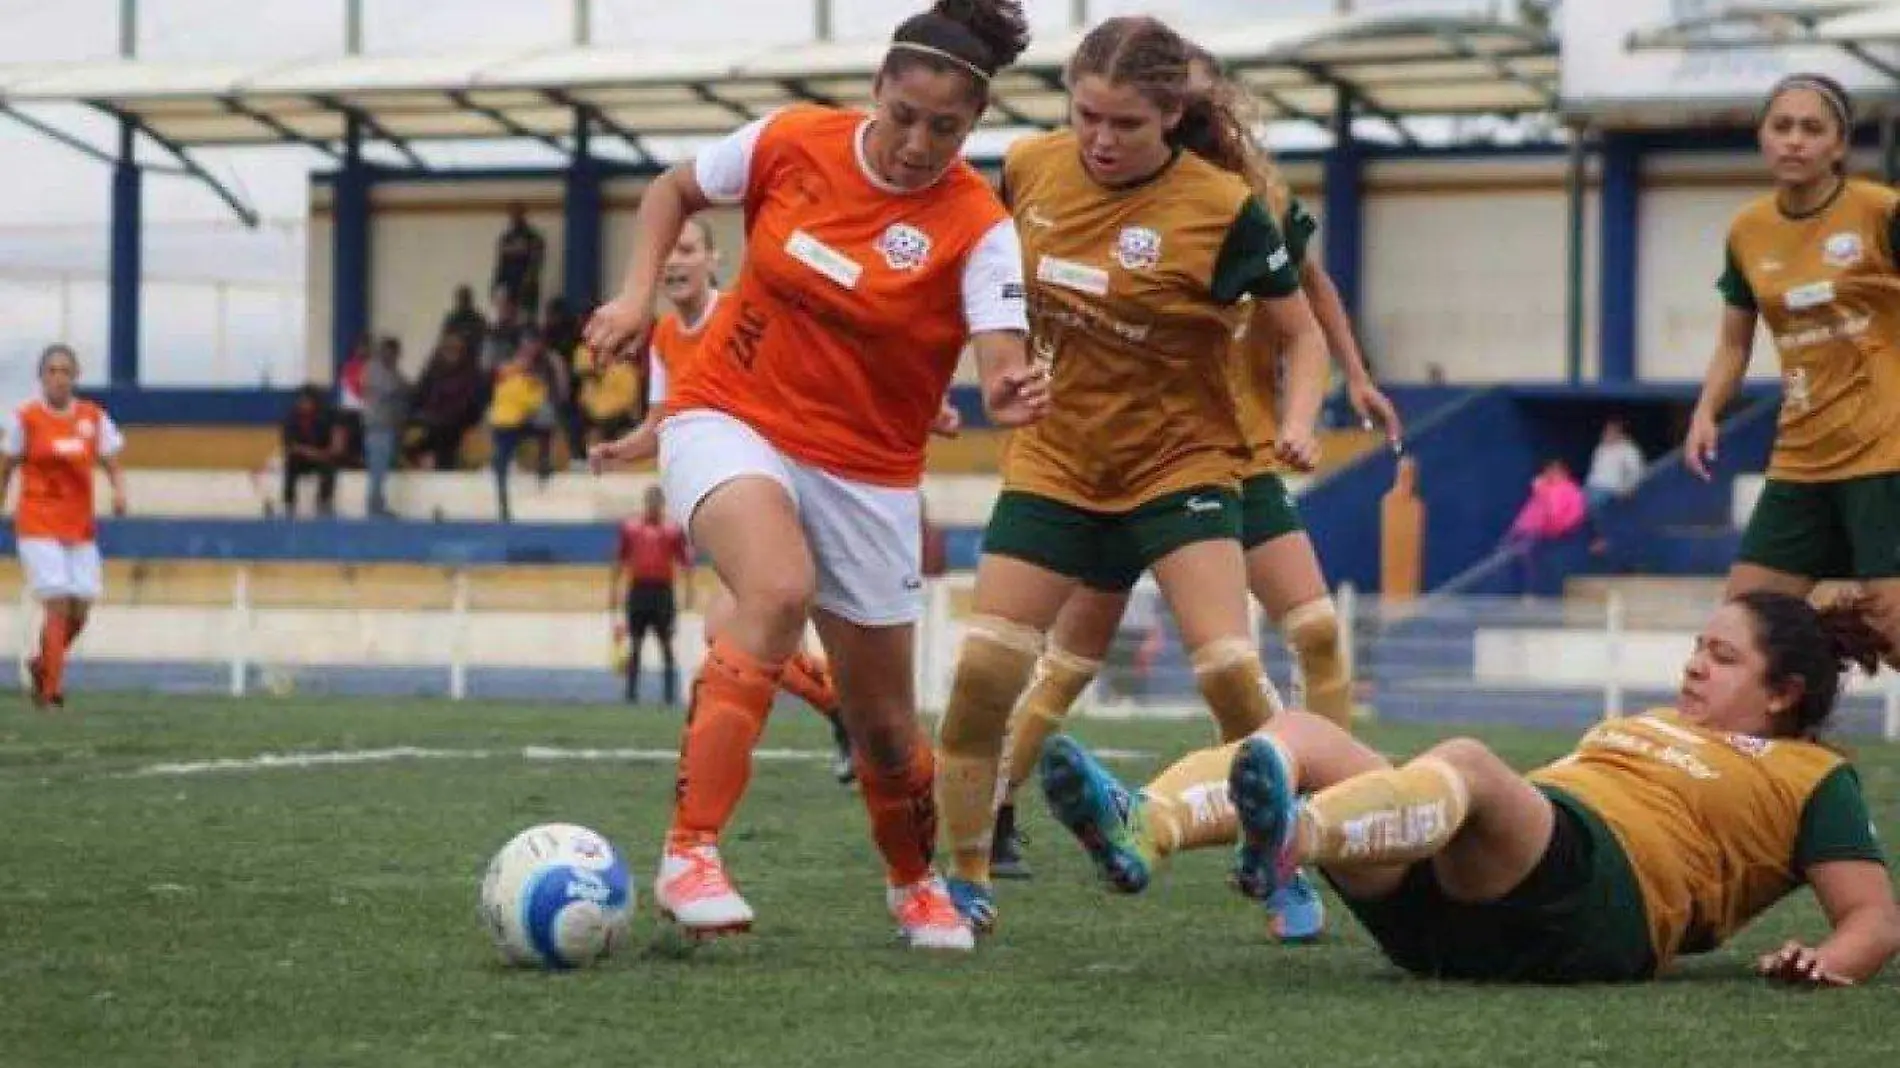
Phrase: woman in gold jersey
(1283, 570)
(1816, 260)
(1142, 237)
(1660, 835)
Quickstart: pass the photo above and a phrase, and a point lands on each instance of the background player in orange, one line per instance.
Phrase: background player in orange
(56, 439)
(650, 552)
(1143, 239)
(794, 446)
(1819, 260)
(1662, 835)
(687, 279)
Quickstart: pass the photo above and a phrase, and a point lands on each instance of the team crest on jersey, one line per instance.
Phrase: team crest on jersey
(1138, 248)
(1843, 249)
(904, 247)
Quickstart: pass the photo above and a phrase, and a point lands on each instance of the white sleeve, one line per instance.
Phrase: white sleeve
(13, 435)
(993, 283)
(656, 377)
(111, 441)
(724, 167)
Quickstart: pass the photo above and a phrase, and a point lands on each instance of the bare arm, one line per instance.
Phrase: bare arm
(667, 204)
(7, 464)
(1291, 319)
(1330, 310)
(1733, 349)
(1857, 896)
(115, 477)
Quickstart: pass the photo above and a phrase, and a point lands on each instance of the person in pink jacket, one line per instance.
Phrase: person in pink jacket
(1557, 507)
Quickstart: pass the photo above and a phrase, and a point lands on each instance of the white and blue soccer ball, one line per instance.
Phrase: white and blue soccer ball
(557, 896)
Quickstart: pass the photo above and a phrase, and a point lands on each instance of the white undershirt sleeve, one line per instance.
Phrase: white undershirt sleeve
(993, 283)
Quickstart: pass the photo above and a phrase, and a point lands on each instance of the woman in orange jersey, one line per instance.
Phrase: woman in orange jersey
(56, 439)
(1661, 835)
(794, 446)
(1818, 260)
(687, 281)
(1283, 570)
(1145, 239)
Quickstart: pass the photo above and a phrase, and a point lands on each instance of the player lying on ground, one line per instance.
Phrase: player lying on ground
(1661, 835)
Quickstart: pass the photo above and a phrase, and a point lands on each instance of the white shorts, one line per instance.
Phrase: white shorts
(866, 540)
(54, 569)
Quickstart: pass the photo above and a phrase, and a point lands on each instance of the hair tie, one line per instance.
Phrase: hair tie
(979, 73)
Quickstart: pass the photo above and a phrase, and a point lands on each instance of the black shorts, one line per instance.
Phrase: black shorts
(1578, 917)
(650, 607)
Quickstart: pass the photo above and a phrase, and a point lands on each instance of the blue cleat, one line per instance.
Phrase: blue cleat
(1262, 791)
(1098, 810)
(1296, 915)
(975, 902)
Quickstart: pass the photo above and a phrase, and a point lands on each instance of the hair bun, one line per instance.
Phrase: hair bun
(998, 24)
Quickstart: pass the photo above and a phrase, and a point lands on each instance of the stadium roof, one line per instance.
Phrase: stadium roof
(1854, 26)
(1392, 66)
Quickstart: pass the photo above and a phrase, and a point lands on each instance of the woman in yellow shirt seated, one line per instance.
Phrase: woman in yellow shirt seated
(610, 393)
(520, 393)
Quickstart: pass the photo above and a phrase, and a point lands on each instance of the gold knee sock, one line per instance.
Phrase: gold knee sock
(1060, 678)
(1312, 629)
(1235, 687)
(993, 668)
(1394, 816)
(1187, 807)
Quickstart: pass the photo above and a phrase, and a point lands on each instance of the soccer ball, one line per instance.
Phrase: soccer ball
(557, 896)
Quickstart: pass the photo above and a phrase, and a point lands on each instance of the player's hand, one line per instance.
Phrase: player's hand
(1375, 408)
(600, 455)
(1698, 451)
(618, 329)
(1018, 398)
(1797, 965)
(1297, 447)
(949, 421)
(118, 504)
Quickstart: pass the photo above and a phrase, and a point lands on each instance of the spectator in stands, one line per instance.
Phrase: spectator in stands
(562, 329)
(650, 552)
(520, 394)
(313, 439)
(504, 333)
(1615, 468)
(518, 259)
(1556, 508)
(558, 381)
(465, 321)
(385, 411)
(349, 401)
(1435, 375)
(448, 403)
(609, 395)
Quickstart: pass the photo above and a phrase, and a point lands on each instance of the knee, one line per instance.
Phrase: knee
(781, 601)
(1313, 628)
(1470, 757)
(887, 750)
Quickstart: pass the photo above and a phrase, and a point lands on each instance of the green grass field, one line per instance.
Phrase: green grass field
(326, 916)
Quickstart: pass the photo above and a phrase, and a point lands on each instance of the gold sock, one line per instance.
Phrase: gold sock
(1395, 816)
(1235, 687)
(1060, 678)
(1187, 807)
(993, 668)
(1312, 629)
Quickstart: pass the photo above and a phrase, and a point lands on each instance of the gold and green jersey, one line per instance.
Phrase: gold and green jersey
(1827, 285)
(1132, 295)
(1257, 355)
(1717, 827)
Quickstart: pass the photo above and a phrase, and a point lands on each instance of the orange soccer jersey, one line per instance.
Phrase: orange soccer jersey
(57, 452)
(844, 328)
(675, 347)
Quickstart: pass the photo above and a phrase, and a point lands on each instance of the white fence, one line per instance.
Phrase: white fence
(1552, 663)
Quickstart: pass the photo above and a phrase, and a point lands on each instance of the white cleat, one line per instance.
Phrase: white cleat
(926, 918)
(693, 891)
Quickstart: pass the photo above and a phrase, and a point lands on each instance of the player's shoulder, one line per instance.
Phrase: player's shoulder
(1759, 213)
(1195, 182)
(808, 126)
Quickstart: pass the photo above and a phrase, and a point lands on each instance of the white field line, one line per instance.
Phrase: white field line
(352, 757)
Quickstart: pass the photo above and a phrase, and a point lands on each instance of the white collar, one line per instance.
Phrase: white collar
(871, 175)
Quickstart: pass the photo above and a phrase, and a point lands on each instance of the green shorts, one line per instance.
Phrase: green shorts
(1266, 511)
(1577, 918)
(1108, 550)
(1848, 529)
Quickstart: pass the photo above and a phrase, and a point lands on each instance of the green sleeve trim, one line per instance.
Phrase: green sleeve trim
(1835, 824)
(1253, 259)
(1299, 228)
(1734, 286)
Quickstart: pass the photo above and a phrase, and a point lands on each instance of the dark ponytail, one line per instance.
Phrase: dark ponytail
(975, 38)
(1812, 648)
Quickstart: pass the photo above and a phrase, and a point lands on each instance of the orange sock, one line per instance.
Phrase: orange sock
(53, 642)
(903, 811)
(730, 701)
(807, 679)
